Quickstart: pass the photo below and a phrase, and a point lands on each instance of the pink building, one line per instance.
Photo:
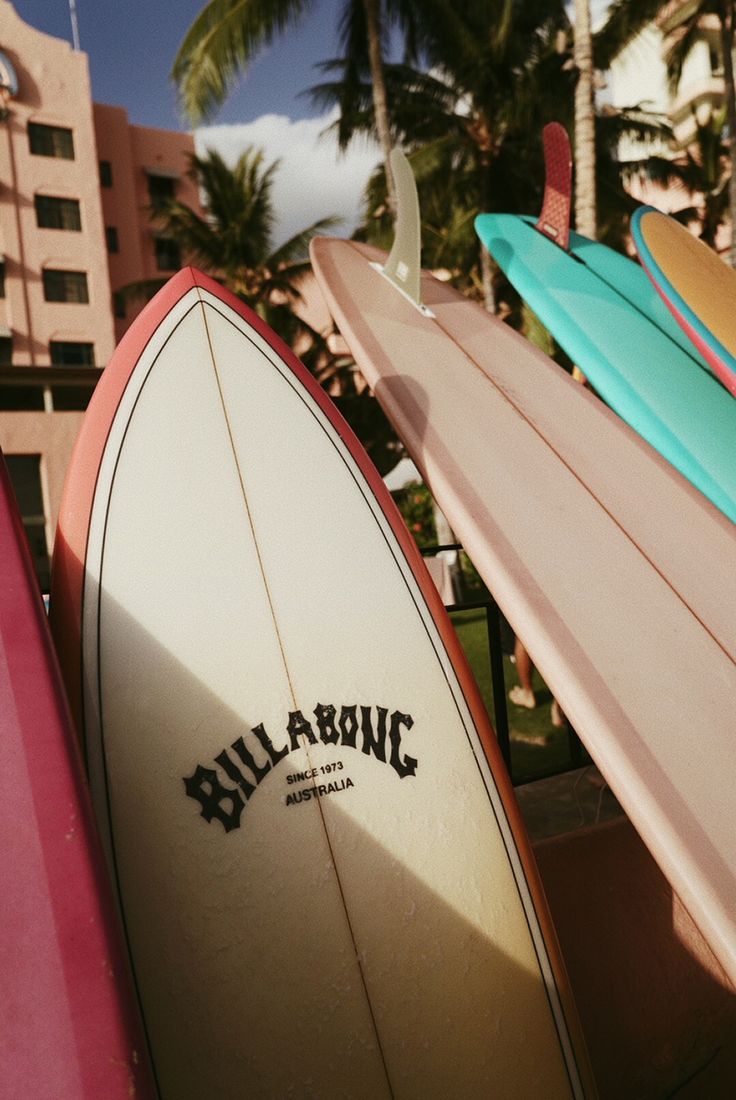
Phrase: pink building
(139, 167)
(78, 183)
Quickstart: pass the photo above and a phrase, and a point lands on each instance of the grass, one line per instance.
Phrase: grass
(537, 748)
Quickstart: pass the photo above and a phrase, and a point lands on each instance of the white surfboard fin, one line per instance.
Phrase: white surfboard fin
(554, 220)
(403, 267)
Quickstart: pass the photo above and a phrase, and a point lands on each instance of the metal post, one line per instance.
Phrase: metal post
(495, 654)
(75, 25)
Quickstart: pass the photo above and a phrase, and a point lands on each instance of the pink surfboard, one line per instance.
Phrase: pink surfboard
(616, 573)
(68, 1023)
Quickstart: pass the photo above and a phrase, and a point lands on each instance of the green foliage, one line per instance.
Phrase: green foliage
(415, 504)
(221, 42)
(234, 238)
(228, 34)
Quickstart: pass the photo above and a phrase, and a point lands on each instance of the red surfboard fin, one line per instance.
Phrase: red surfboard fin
(554, 221)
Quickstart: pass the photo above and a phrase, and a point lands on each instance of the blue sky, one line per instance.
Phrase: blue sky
(131, 45)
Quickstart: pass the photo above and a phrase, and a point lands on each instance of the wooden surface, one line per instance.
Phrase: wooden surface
(659, 1013)
(696, 284)
(614, 571)
(358, 915)
(68, 1022)
(610, 329)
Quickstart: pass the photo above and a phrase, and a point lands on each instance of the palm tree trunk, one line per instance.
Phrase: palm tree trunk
(585, 206)
(486, 273)
(727, 29)
(380, 102)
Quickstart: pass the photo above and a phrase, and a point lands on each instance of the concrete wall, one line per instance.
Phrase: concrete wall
(52, 436)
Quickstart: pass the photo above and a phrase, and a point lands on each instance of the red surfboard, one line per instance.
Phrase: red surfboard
(68, 1023)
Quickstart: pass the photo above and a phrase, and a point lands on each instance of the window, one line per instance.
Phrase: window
(111, 236)
(105, 173)
(168, 255)
(71, 354)
(71, 398)
(25, 474)
(50, 141)
(6, 351)
(161, 189)
(65, 286)
(21, 398)
(53, 213)
(118, 305)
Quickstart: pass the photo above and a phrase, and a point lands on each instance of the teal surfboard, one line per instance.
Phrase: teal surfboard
(603, 310)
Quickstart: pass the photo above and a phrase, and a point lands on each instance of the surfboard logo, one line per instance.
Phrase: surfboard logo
(373, 729)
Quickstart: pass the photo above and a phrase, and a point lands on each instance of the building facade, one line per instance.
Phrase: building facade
(79, 185)
(638, 77)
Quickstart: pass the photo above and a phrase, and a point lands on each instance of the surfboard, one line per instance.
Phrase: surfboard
(611, 567)
(603, 311)
(68, 1019)
(696, 285)
(325, 882)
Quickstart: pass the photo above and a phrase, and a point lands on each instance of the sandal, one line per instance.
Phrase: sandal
(522, 697)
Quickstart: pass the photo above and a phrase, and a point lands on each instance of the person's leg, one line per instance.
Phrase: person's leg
(523, 693)
(557, 715)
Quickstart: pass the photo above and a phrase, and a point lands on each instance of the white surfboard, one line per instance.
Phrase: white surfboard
(326, 887)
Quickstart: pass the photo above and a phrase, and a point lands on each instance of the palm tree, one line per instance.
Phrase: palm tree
(495, 77)
(627, 17)
(702, 169)
(227, 35)
(234, 242)
(585, 186)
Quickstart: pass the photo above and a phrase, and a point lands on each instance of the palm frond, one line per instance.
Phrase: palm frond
(220, 44)
(686, 36)
(626, 18)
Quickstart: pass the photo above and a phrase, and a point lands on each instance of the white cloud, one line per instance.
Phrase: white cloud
(314, 179)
